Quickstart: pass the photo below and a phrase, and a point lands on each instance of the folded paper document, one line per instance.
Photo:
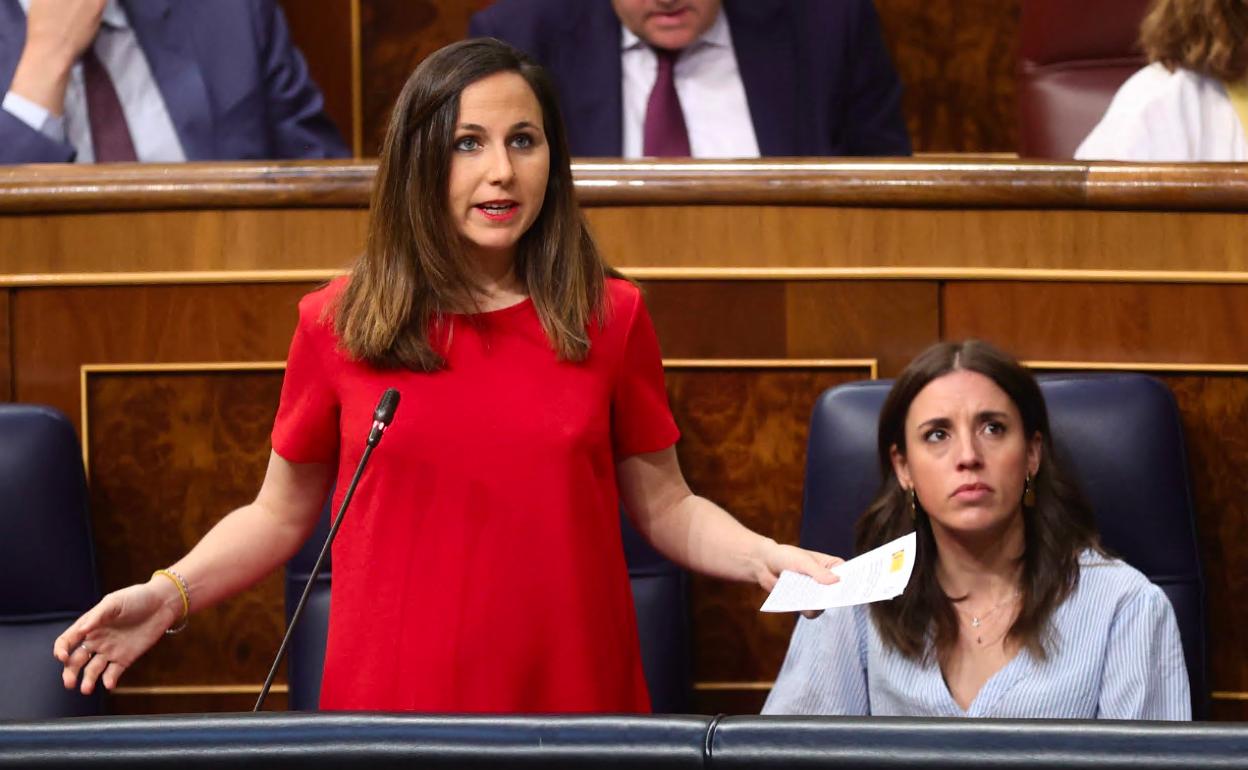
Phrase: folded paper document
(874, 576)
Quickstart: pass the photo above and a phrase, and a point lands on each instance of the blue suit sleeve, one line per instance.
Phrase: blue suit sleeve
(825, 670)
(877, 125)
(19, 143)
(1145, 676)
(298, 125)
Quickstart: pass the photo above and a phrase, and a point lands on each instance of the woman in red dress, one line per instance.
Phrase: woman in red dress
(480, 567)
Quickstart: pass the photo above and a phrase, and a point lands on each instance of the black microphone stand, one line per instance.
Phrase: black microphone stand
(381, 419)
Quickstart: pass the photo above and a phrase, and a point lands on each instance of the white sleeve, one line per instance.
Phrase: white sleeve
(825, 670)
(38, 118)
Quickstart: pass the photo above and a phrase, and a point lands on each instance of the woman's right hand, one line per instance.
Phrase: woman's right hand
(109, 637)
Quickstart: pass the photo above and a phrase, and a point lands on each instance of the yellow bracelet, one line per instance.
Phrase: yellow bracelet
(184, 591)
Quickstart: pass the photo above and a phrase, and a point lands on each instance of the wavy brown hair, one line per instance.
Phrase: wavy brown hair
(415, 268)
(1205, 36)
(922, 624)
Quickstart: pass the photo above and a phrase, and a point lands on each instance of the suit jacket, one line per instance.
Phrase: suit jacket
(234, 85)
(817, 76)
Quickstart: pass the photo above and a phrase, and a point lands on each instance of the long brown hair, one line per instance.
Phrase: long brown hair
(922, 624)
(415, 269)
(1206, 36)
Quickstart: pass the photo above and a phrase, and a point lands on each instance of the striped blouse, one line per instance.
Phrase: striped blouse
(1114, 653)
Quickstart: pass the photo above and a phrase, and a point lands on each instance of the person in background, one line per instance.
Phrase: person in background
(481, 567)
(1013, 609)
(1191, 102)
(701, 78)
(155, 81)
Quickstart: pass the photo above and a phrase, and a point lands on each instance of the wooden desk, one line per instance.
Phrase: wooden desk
(154, 305)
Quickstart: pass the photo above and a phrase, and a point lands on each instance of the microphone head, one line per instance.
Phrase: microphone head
(386, 406)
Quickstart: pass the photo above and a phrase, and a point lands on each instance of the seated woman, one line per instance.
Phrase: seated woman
(1013, 609)
(1191, 102)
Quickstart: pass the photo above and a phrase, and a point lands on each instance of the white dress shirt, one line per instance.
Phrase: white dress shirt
(151, 129)
(712, 96)
(1160, 115)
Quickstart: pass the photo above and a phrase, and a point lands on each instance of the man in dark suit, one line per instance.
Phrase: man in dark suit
(815, 74)
(180, 81)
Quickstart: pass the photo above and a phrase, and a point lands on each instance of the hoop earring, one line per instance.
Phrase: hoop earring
(914, 506)
(1029, 493)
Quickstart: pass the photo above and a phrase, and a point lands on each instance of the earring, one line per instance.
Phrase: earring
(914, 506)
(1029, 493)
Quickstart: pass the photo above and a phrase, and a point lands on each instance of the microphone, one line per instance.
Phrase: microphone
(382, 416)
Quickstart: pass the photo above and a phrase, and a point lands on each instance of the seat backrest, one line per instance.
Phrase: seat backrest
(47, 560)
(1119, 435)
(660, 599)
(1073, 56)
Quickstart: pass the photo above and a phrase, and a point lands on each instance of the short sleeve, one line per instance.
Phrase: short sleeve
(1145, 676)
(825, 670)
(641, 420)
(306, 427)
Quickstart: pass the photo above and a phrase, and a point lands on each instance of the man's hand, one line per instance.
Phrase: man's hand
(57, 32)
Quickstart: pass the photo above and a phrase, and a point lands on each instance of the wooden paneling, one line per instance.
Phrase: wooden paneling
(1215, 422)
(956, 60)
(168, 455)
(397, 35)
(6, 347)
(322, 31)
(58, 330)
(1132, 322)
(743, 445)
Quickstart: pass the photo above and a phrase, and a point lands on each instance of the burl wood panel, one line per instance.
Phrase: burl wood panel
(743, 445)
(6, 347)
(58, 330)
(956, 61)
(1215, 420)
(322, 31)
(168, 455)
(396, 35)
(1160, 323)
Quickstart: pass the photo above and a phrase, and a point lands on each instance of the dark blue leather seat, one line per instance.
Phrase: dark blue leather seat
(659, 597)
(1119, 436)
(47, 560)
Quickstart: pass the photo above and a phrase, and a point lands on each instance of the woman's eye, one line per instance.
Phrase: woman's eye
(994, 428)
(934, 435)
(467, 144)
(522, 141)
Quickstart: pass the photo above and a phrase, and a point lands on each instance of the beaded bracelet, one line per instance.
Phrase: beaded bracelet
(184, 591)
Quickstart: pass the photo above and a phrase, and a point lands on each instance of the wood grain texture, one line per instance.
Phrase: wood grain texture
(56, 331)
(956, 61)
(1103, 322)
(6, 346)
(397, 35)
(900, 182)
(169, 455)
(743, 445)
(1215, 422)
(322, 31)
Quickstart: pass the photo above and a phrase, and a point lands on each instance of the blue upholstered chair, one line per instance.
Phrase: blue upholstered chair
(1120, 437)
(659, 597)
(47, 560)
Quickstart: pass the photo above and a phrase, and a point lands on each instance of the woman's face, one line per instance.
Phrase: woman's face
(499, 164)
(966, 454)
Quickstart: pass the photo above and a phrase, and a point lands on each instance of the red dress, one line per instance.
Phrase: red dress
(479, 567)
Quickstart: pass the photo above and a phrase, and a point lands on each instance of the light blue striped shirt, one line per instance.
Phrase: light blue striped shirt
(1114, 653)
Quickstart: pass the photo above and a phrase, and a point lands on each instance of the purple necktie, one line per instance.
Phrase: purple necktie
(110, 136)
(665, 135)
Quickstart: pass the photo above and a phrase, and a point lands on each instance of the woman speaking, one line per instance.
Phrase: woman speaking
(480, 568)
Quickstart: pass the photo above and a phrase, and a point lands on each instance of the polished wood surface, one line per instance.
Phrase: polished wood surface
(848, 269)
